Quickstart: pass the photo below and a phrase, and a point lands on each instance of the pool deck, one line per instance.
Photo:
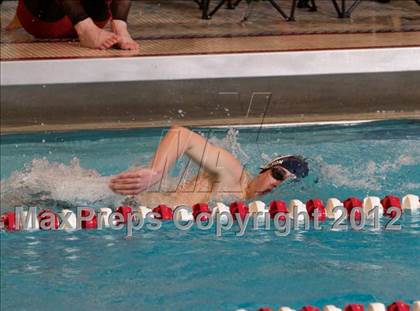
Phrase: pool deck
(211, 72)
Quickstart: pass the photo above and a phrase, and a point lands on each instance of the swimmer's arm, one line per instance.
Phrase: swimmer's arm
(180, 140)
(177, 142)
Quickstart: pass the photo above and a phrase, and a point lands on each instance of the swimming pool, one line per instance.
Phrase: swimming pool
(173, 269)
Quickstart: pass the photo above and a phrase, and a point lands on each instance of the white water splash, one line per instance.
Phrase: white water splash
(51, 184)
(56, 183)
(231, 143)
(368, 174)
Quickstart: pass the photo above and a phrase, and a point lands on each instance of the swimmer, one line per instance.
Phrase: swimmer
(83, 18)
(222, 174)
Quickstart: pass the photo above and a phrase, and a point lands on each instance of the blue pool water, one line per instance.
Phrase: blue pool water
(178, 270)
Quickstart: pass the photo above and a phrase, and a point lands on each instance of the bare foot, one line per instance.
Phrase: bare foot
(14, 24)
(125, 42)
(91, 36)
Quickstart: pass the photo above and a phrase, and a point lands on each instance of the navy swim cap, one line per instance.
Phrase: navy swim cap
(295, 164)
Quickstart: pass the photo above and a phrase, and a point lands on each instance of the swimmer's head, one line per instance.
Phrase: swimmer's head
(276, 172)
(282, 167)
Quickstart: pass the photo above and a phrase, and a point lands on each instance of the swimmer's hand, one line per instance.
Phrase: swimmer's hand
(134, 182)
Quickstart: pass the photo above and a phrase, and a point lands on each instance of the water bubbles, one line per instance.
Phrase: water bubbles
(31, 268)
(72, 238)
(265, 157)
(30, 253)
(109, 237)
(231, 143)
(181, 113)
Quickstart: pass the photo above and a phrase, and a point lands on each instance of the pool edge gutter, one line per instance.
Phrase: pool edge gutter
(219, 123)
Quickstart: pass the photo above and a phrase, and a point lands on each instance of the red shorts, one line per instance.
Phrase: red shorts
(62, 28)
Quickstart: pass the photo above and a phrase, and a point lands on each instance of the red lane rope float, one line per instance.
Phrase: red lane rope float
(388, 202)
(124, 210)
(199, 208)
(354, 307)
(353, 203)
(89, 224)
(239, 208)
(8, 220)
(316, 204)
(278, 207)
(309, 308)
(164, 212)
(398, 306)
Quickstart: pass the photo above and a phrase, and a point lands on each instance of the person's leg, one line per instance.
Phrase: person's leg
(98, 10)
(90, 35)
(61, 19)
(120, 10)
